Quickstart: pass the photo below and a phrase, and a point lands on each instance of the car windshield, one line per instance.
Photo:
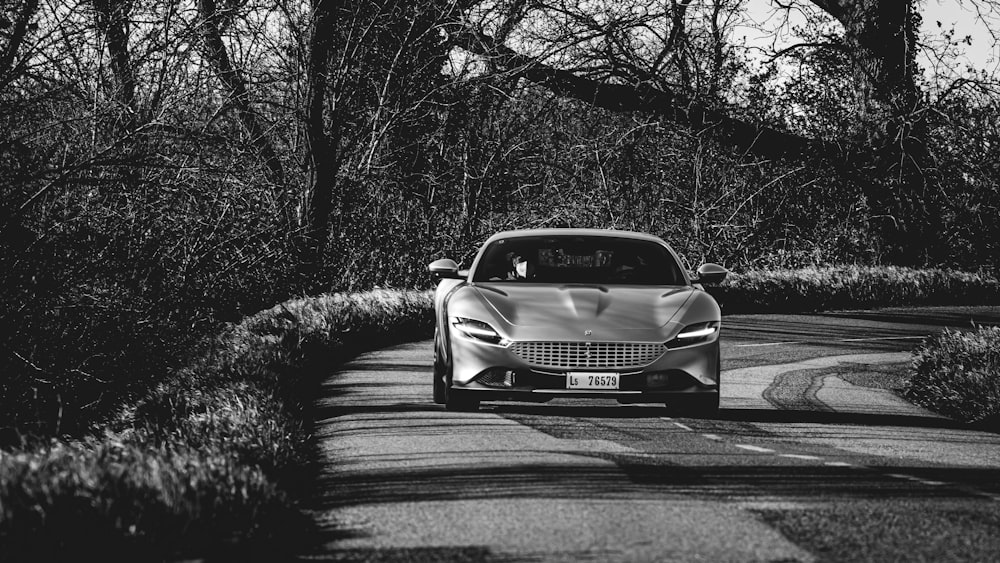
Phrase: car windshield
(578, 259)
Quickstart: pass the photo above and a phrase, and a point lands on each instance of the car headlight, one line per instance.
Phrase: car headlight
(694, 334)
(478, 330)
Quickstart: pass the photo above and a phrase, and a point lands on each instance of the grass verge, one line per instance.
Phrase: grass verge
(208, 464)
(851, 287)
(958, 375)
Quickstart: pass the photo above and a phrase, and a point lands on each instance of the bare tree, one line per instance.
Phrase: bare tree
(229, 75)
(321, 146)
(113, 21)
(616, 56)
(372, 80)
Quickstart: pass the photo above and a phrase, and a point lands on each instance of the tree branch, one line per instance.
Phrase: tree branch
(841, 10)
(745, 136)
(113, 18)
(16, 38)
(231, 78)
(805, 45)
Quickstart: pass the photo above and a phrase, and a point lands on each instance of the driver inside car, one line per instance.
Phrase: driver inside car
(520, 268)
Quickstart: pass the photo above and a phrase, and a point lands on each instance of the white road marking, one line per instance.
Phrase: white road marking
(916, 479)
(806, 457)
(838, 386)
(801, 456)
(754, 448)
(839, 464)
(868, 339)
(881, 338)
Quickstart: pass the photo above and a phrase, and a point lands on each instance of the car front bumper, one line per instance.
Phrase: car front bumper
(498, 372)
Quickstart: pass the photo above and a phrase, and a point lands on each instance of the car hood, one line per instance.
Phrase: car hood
(607, 311)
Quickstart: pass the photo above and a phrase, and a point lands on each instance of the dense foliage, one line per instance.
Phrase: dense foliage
(958, 374)
(851, 287)
(210, 462)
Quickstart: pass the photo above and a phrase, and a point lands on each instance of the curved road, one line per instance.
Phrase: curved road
(812, 458)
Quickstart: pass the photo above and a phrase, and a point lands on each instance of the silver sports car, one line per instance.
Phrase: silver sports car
(576, 313)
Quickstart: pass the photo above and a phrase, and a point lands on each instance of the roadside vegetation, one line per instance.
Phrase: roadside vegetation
(212, 460)
(823, 288)
(958, 374)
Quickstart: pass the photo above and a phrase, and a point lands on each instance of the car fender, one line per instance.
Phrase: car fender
(446, 288)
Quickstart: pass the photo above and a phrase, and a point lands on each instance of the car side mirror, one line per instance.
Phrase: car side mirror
(710, 273)
(446, 268)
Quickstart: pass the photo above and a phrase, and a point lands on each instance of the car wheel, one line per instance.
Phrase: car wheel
(699, 405)
(453, 399)
(440, 374)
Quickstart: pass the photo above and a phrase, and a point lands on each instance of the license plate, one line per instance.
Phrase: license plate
(591, 380)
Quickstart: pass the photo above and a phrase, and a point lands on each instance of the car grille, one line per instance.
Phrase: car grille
(587, 355)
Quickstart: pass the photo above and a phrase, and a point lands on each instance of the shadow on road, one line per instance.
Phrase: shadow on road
(967, 317)
(644, 479)
(724, 414)
(827, 417)
(576, 411)
(332, 408)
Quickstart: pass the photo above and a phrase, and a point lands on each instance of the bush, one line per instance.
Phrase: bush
(130, 502)
(958, 375)
(210, 461)
(98, 308)
(851, 287)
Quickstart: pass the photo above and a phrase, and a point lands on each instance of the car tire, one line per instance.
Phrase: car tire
(452, 399)
(440, 374)
(695, 406)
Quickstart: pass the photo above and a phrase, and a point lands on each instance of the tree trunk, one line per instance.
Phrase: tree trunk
(8, 71)
(218, 55)
(113, 20)
(322, 147)
(900, 182)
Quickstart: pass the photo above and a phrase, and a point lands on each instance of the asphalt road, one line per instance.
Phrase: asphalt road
(811, 458)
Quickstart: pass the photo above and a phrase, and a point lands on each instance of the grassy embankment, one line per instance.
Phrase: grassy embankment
(958, 375)
(852, 287)
(212, 461)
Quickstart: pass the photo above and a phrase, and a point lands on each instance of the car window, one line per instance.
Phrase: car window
(578, 259)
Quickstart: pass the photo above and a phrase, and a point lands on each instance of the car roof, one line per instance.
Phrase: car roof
(574, 232)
